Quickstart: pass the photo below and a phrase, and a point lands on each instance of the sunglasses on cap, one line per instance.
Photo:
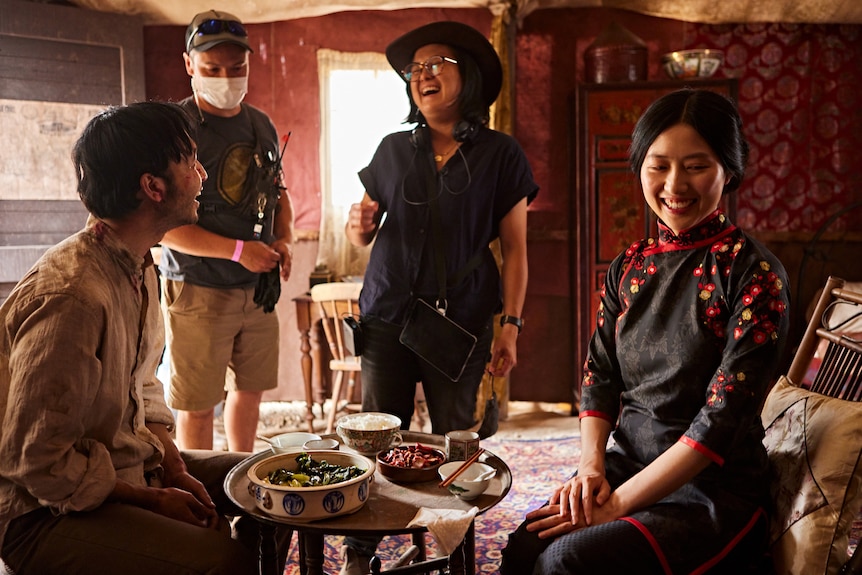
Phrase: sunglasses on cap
(215, 26)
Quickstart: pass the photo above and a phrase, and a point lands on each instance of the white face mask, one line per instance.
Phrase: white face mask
(223, 93)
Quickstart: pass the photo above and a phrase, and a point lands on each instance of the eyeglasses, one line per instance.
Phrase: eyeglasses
(214, 26)
(433, 65)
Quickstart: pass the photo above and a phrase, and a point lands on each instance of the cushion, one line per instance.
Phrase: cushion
(814, 444)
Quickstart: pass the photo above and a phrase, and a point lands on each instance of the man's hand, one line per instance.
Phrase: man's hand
(185, 481)
(285, 251)
(258, 257)
(184, 506)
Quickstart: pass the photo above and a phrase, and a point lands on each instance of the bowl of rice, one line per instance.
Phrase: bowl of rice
(370, 432)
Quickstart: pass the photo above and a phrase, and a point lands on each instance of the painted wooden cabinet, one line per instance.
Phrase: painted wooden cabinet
(608, 209)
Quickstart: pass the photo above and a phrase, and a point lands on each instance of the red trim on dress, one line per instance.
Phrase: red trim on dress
(733, 543)
(704, 567)
(653, 543)
(665, 247)
(599, 414)
(701, 448)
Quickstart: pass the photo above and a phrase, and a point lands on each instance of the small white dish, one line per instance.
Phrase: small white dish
(289, 442)
(322, 444)
(471, 483)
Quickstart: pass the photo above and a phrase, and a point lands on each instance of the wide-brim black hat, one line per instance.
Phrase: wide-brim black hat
(461, 36)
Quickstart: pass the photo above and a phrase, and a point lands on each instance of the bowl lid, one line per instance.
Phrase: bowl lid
(615, 34)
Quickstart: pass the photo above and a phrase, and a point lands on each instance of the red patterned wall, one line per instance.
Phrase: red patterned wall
(800, 95)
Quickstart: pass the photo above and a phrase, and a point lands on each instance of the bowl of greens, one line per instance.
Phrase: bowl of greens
(311, 485)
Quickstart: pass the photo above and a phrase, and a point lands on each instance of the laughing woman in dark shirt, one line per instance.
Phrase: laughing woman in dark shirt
(482, 183)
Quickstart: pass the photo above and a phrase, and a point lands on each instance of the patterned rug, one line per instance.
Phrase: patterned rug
(537, 468)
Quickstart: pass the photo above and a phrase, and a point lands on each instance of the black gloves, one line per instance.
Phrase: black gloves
(268, 289)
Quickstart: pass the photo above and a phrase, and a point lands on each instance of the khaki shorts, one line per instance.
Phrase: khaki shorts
(219, 340)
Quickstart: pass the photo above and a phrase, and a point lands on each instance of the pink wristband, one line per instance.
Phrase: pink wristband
(237, 252)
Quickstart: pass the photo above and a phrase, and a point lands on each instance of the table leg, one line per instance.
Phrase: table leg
(470, 550)
(312, 544)
(303, 570)
(419, 541)
(462, 561)
(267, 556)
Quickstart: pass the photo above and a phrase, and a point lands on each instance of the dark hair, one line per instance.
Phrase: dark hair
(123, 143)
(712, 115)
(471, 103)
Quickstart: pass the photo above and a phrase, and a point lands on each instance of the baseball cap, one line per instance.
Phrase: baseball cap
(214, 27)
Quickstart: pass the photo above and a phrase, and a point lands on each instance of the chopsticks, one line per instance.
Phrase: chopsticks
(470, 461)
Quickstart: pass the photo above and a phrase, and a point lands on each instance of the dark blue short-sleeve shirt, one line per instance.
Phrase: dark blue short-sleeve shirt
(476, 188)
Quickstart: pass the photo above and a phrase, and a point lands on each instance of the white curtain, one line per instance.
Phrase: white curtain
(361, 100)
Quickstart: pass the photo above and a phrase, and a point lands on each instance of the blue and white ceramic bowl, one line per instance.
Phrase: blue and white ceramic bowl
(310, 503)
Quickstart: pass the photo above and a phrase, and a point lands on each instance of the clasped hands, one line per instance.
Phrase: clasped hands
(583, 500)
(184, 498)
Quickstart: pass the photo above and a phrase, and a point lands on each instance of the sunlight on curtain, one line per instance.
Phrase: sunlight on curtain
(361, 100)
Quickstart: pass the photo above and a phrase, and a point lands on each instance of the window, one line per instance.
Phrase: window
(361, 100)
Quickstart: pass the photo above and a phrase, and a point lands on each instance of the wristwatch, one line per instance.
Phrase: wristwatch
(515, 321)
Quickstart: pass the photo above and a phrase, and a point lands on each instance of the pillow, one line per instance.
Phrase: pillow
(814, 444)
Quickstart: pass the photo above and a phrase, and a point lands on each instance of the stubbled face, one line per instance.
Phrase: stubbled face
(682, 178)
(437, 96)
(184, 184)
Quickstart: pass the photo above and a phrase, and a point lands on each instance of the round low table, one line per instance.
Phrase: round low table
(388, 510)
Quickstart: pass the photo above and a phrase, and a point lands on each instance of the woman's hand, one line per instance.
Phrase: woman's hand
(504, 356)
(578, 496)
(550, 523)
(574, 505)
(362, 221)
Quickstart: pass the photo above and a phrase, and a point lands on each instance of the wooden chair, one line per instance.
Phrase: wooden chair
(837, 368)
(813, 423)
(336, 300)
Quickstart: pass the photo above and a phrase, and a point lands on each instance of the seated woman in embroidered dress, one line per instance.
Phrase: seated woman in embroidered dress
(688, 336)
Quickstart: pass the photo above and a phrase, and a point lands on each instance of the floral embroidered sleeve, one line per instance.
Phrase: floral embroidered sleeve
(602, 382)
(750, 315)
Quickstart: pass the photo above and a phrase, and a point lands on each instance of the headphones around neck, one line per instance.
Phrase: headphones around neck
(463, 131)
